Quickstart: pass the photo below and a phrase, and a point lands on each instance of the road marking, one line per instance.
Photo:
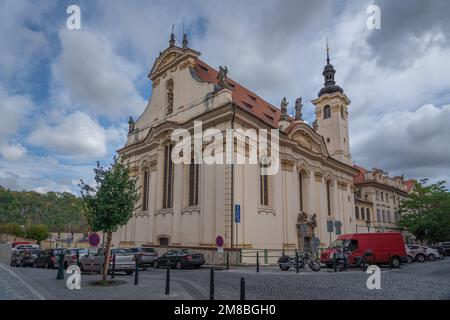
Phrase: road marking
(33, 291)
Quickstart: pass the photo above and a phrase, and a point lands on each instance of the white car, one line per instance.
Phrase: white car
(432, 254)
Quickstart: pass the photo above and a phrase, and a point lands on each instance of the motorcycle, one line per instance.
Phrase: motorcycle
(286, 262)
(341, 259)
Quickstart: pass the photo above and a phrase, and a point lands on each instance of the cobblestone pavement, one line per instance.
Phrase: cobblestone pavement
(429, 280)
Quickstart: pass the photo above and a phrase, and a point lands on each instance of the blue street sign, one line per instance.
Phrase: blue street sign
(237, 213)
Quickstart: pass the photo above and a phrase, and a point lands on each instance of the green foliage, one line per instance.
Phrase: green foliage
(60, 212)
(12, 229)
(110, 203)
(426, 212)
(37, 232)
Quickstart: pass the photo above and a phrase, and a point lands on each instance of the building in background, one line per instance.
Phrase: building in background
(378, 198)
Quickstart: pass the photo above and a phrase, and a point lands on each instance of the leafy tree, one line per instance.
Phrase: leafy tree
(37, 232)
(110, 203)
(12, 229)
(426, 212)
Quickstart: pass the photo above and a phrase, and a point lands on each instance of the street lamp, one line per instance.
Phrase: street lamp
(368, 224)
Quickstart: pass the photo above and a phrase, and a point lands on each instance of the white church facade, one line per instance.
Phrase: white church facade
(189, 205)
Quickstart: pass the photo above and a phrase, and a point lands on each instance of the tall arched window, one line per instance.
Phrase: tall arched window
(264, 189)
(356, 213)
(326, 112)
(193, 183)
(363, 216)
(378, 215)
(300, 186)
(145, 191)
(368, 214)
(329, 197)
(168, 178)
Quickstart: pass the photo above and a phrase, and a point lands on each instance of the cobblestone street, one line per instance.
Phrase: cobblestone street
(429, 280)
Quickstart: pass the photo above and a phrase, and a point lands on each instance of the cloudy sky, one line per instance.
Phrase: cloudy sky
(65, 95)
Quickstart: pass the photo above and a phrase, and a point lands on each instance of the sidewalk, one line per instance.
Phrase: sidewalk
(45, 286)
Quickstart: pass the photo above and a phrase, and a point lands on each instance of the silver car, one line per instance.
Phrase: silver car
(125, 261)
(431, 253)
(144, 255)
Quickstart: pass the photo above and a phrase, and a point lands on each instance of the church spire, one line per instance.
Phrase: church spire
(328, 75)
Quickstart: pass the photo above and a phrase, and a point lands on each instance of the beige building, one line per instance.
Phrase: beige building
(191, 204)
(377, 200)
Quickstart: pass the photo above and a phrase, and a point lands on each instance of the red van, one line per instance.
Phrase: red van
(386, 247)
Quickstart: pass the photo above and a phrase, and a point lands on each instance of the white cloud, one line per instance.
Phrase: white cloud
(89, 75)
(13, 152)
(76, 135)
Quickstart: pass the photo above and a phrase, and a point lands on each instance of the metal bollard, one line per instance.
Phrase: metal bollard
(257, 261)
(60, 275)
(228, 262)
(78, 258)
(168, 280)
(136, 273)
(296, 261)
(334, 261)
(211, 284)
(242, 288)
(113, 271)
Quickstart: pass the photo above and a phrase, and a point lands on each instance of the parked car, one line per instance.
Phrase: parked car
(25, 258)
(125, 261)
(49, 258)
(145, 255)
(431, 253)
(417, 253)
(179, 258)
(21, 246)
(446, 246)
(440, 249)
(386, 248)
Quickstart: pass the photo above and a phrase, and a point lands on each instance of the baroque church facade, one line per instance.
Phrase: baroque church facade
(189, 205)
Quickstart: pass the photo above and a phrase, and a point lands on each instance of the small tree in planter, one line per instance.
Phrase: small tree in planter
(110, 203)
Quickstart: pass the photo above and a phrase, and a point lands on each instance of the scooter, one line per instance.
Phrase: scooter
(286, 262)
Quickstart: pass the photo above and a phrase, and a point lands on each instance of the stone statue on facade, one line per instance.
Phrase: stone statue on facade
(298, 109)
(283, 108)
(222, 77)
(314, 125)
(130, 125)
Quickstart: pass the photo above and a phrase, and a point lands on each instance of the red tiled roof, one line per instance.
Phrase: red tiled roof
(410, 184)
(242, 97)
(360, 177)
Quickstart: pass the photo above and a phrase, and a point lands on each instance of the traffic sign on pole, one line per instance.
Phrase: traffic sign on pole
(237, 213)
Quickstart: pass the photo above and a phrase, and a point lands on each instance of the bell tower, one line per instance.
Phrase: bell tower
(332, 115)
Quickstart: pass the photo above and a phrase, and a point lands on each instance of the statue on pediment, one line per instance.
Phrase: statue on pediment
(298, 109)
(130, 125)
(222, 77)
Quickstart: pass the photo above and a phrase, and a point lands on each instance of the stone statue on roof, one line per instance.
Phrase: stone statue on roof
(283, 108)
(298, 109)
(130, 125)
(222, 77)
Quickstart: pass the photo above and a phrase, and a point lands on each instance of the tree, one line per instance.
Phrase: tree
(426, 212)
(37, 232)
(12, 229)
(110, 203)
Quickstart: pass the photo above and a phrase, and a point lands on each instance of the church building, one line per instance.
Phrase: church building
(189, 205)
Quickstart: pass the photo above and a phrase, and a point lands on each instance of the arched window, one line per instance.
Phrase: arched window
(145, 191)
(356, 213)
(363, 216)
(168, 178)
(329, 197)
(378, 215)
(368, 214)
(264, 189)
(326, 112)
(193, 183)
